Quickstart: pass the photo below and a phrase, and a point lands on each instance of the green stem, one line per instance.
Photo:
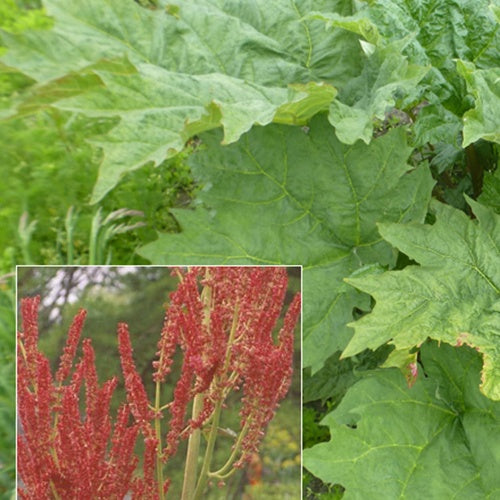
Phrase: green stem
(94, 232)
(159, 463)
(191, 467)
(70, 225)
(54, 491)
(223, 471)
(205, 470)
(202, 481)
(193, 450)
(25, 231)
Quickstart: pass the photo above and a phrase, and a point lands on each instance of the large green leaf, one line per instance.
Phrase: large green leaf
(160, 110)
(83, 34)
(285, 195)
(453, 296)
(261, 42)
(440, 33)
(439, 439)
(251, 64)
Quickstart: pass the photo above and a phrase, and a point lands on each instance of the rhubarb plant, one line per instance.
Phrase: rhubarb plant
(439, 436)
(450, 297)
(356, 138)
(325, 221)
(222, 319)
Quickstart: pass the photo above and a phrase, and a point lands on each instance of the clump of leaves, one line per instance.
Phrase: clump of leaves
(337, 120)
(16, 17)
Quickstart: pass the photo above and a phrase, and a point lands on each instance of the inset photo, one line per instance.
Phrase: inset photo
(159, 382)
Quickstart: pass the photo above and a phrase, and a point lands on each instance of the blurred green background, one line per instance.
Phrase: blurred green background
(137, 296)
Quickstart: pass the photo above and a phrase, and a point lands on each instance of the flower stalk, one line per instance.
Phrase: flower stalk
(193, 450)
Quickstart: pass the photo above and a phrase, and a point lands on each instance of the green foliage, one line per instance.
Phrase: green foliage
(48, 169)
(313, 433)
(337, 375)
(15, 17)
(452, 296)
(444, 38)
(338, 122)
(160, 97)
(54, 169)
(284, 72)
(430, 438)
(315, 489)
(491, 191)
(483, 121)
(286, 215)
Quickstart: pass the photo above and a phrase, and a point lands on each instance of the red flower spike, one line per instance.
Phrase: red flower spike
(59, 449)
(91, 385)
(29, 312)
(122, 460)
(28, 338)
(166, 350)
(136, 393)
(146, 488)
(71, 345)
(252, 298)
(182, 396)
(266, 370)
(44, 399)
(225, 332)
(71, 444)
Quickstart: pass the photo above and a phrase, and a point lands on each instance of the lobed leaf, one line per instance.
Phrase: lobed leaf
(160, 110)
(437, 35)
(261, 205)
(453, 295)
(251, 64)
(403, 442)
(254, 64)
(386, 74)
